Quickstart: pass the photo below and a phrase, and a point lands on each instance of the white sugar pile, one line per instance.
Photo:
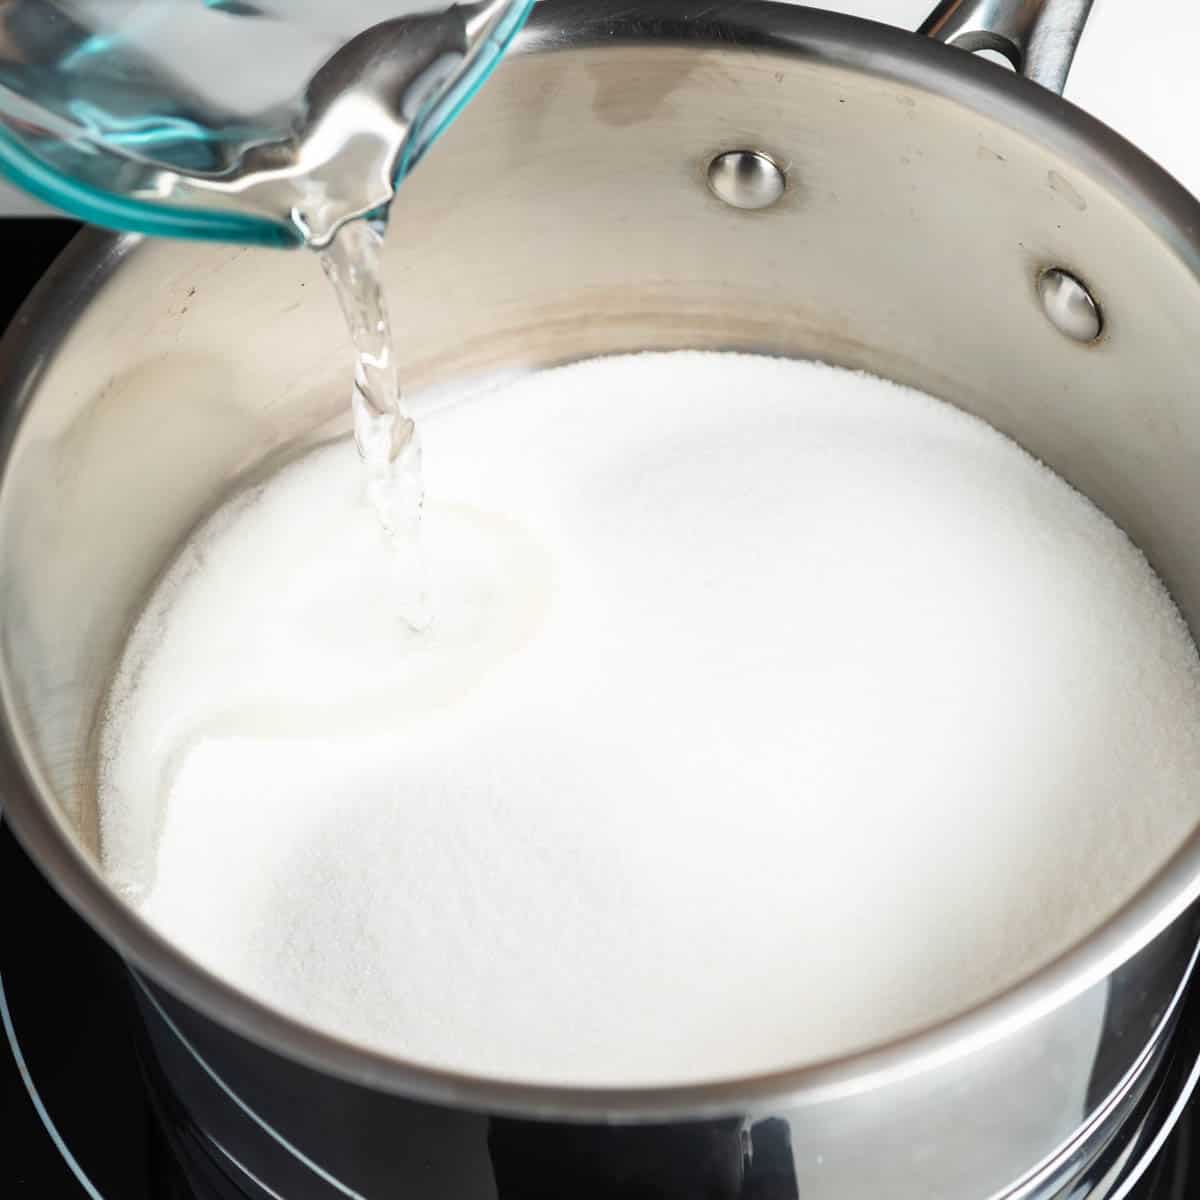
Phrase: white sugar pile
(769, 711)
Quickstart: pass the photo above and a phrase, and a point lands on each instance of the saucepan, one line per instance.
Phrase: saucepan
(663, 174)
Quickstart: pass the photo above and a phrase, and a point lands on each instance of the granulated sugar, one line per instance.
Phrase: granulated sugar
(769, 711)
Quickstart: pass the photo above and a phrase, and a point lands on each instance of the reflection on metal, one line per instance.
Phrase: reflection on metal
(1069, 305)
(746, 179)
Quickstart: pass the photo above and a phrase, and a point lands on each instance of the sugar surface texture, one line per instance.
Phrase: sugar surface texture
(769, 711)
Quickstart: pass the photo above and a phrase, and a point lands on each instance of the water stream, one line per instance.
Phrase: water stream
(387, 437)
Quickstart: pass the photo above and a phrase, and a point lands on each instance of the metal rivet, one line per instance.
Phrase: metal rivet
(1069, 305)
(746, 179)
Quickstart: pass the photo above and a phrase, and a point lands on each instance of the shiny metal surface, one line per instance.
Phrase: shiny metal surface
(746, 179)
(1069, 306)
(1038, 37)
(1126, 1129)
(277, 1118)
(146, 381)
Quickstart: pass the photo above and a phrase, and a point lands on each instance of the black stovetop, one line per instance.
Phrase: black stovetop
(69, 1004)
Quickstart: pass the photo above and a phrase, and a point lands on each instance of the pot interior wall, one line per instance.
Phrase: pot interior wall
(567, 215)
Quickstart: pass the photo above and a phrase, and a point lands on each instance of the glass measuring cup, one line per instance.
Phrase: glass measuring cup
(261, 121)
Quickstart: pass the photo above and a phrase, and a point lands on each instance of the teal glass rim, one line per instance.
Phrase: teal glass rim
(114, 211)
(431, 124)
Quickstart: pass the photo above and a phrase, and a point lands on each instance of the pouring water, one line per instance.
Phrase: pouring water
(265, 122)
(270, 123)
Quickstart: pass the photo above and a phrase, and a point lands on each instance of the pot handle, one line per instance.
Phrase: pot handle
(1039, 37)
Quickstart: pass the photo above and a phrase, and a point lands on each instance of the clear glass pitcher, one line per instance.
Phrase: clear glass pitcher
(263, 121)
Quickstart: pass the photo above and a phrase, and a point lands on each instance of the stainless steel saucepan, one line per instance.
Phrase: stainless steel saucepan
(749, 176)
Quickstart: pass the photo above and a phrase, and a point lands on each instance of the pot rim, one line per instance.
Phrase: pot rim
(830, 39)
